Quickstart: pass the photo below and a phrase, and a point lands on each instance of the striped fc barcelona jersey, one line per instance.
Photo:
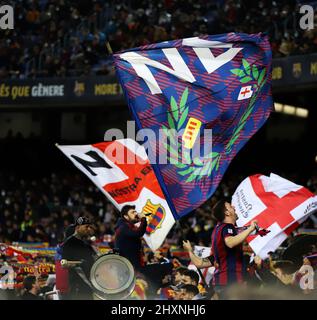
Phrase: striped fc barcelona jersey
(230, 260)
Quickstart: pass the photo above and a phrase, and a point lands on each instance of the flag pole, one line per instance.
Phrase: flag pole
(109, 49)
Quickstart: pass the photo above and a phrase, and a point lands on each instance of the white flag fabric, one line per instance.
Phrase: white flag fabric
(278, 205)
(122, 171)
(203, 252)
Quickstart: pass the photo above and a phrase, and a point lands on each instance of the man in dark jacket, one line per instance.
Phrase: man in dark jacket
(128, 236)
(77, 248)
(32, 288)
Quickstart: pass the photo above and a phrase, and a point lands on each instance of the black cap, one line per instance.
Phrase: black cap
(81, 221)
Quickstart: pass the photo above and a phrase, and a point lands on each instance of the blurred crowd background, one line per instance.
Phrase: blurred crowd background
(67, 37)
(40, 209)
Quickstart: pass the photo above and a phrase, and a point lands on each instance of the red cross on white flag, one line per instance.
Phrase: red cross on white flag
(245, 93)
(278, 205)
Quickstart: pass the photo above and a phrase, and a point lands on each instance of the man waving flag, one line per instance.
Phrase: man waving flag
(184, 89)
(277, 204)
(121, 170)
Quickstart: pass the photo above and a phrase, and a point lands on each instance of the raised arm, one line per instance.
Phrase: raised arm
(197, 261)
(134, 231)
(235, 240)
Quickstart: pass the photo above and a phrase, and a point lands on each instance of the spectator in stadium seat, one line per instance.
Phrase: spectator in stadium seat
(47, 25)
(190, 277)
(188, 292)
(43, 284)
(177, 275)
(32, 288)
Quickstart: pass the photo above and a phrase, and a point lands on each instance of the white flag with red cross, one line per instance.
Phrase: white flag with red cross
(245, 93)
(122, 171)
(278, 205)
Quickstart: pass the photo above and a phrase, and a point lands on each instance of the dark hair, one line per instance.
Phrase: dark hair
(193, 275)
(189, 288)
(150, 256)
(43, 276)
(125, 210)
(181, 270)
(28, 282)
(286, 266)
(218, 210)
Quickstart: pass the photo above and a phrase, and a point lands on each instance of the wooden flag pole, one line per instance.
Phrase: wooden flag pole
(109, 48)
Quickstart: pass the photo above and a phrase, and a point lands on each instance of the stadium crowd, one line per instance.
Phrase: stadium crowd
(67, 37)
(59, 38)
(40, 210)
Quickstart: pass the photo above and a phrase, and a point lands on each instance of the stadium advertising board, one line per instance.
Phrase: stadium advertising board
(295, 70)
(60, 91)
(292, 71)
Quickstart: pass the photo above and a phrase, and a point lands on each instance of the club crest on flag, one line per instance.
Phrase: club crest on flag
(118, 182)
(155, 215)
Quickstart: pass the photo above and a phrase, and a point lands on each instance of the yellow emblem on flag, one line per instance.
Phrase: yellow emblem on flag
(155, 215)
(191, 132)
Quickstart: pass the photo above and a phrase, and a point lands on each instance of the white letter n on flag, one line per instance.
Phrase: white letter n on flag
(179, 68)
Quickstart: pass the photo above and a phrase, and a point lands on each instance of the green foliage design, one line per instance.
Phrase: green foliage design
(193, 169)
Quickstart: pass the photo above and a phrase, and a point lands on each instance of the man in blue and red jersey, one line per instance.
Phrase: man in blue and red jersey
(226, 244)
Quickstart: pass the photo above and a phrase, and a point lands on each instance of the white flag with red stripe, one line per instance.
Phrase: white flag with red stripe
(122, 171)
(278, 205)
(203, 252)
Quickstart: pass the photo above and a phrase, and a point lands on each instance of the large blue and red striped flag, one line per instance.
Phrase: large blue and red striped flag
(179, 89)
